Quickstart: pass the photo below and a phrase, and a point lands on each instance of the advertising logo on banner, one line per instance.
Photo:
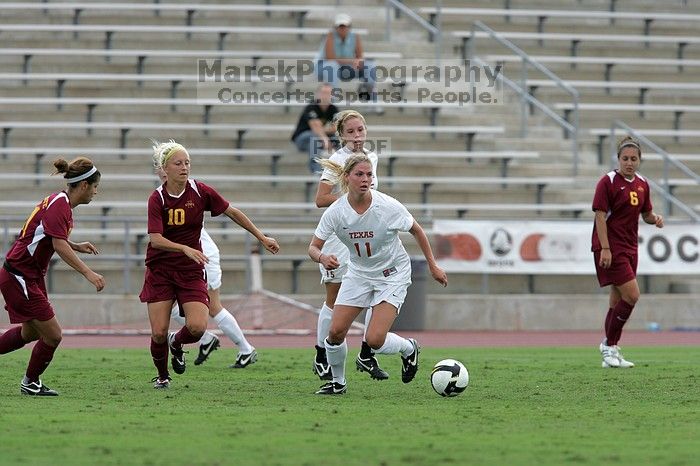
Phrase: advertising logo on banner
(512, 247)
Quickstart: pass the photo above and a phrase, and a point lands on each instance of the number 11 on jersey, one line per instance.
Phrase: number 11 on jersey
(367, 248)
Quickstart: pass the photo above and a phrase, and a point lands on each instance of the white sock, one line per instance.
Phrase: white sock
(368, 317)
(228, 324)
(324, 324)
(175, 315)
(337, 354)
(207, 337)
(394, 344)
(407, 348)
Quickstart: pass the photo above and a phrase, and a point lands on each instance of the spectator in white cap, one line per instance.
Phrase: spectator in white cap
(341, 58)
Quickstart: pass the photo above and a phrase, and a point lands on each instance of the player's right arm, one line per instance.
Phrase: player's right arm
(155, 233)
(159, 241)
(65, 252)
(601, 228)
(329, 261)
(324, 230)
(601, 206)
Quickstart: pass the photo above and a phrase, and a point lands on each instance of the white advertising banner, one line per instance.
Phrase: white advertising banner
(541, 247)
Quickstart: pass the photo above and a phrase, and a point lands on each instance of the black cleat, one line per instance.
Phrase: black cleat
(244, 360)
(321, 367)
(178, 355)
(371, 366)
(159, 383)
(206, 350)
(332, 388)
(409, 364)
(36, 389)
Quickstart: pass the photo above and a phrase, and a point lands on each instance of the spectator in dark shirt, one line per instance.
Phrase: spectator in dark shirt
(315, 131)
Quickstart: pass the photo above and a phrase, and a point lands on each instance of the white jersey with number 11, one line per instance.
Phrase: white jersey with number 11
(372, 238)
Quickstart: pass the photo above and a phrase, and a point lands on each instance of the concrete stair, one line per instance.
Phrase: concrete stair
(543, 135)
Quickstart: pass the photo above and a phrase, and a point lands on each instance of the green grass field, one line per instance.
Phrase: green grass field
(523, 406)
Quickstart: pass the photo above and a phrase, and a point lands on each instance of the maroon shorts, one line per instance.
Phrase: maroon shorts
(25, 299)
(182, 286)
(622, 269)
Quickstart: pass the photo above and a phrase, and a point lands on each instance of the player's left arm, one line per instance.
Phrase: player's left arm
(84, 247)
(424, 244)
(653, 219)
(57, 225)
(243, 221)
(65, 252)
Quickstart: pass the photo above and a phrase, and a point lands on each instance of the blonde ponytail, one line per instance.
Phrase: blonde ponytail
(339, 172)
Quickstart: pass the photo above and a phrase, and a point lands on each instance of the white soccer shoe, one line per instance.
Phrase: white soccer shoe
(625, 364)
(610, 355)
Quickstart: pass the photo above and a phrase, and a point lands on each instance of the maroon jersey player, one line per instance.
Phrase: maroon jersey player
(174, 259)
(22, 275)
(621, 196)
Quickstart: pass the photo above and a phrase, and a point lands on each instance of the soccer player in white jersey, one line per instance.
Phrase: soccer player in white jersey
(224, 319)
(352, 131)
(368, 223)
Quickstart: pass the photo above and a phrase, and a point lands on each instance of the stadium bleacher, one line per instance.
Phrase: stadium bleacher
(102, 89)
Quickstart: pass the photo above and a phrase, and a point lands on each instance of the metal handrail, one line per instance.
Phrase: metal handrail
(570, 129)
(532, 100)
(435, 32)
(664, 188)
(671, 199)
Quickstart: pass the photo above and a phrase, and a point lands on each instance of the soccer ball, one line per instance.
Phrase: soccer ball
(449, 377)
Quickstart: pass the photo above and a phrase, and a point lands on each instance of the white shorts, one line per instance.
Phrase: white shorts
(340, 251)
(333, 276)
(213, 267)
(360, 292)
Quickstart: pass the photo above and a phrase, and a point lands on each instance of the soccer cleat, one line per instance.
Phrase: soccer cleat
(206, 350)
(244, 360)
(602, 345)
(332, 388)
(178, 355)
(371, 366)
(36, 389)
(609, 354)
(409, 364)
(159, 383)
(624, 364)
(322, 369)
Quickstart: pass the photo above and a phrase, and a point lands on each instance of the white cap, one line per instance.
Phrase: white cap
(342, 20)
